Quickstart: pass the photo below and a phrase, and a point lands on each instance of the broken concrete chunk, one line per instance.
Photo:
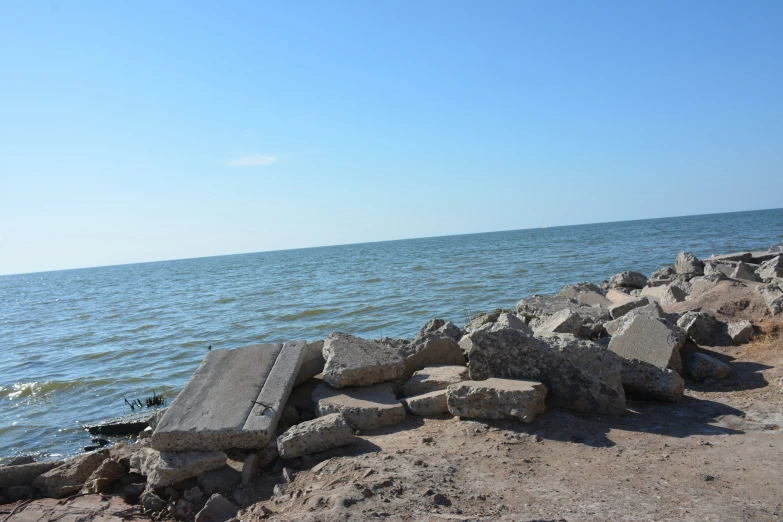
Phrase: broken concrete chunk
(312, 362)
(497, 399)
(771, 269)
(619, 309)
(23, 474)
(650, 340)
(432, 349)
(586, 293)
(580, 375)
(100, 480)
(647, 381)
(701, 366)
(651, 310)
(442, 328)
(323, 433)
(217, 509)
(700, 285)
(365, 409)
(234, 400)
(672, 294)
(221, 480)
(538, 308)
(564, 321)
(433, 378)
(628, 279)
(429, 404)
(61, 480)
(744, 271)
(507, 320)
(713, 268)
(772, 296)
(352, 361)
(688, 265)
(740, 331)
(701, 327)
(167, 467)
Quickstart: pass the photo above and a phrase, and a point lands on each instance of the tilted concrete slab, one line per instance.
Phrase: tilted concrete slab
(233, 400)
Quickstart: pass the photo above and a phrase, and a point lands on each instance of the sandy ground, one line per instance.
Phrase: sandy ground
(717, 455)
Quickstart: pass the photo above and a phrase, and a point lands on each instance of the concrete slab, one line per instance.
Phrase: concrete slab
(323, 433)
(433, 378)
(233, 400)
(353, 361)
(429, 404)
(650, 340)
(367, 408)
(497, 399)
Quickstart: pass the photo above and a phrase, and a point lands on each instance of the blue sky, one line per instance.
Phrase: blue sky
(139, 131)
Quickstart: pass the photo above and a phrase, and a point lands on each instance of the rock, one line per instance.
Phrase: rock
(771, 269)
(672, 294)
(507, 320)
(614, 295)
(73, 473)
(221, 480)
(700, 285)
(497, 399)
(740, 331)
(312, 362)
(24, 474)
(585, 293)
(619, 309)
(688, 265)
(268, 455)
(728, 301)
(744, 271)
(628, 279)
(290, 416)
(352, 361)
(125, 425)
(168, 467)
(580, 375)
(217, 509)
(713, 268)
(701, 327)
(772, 296)
(651, 310)
(233, 400)
(700, 366)
(20, 460)
(364, 409)
(131, 493)
(776, 248)
(478, 321)
(152, 502)
(442, 328)
(737, 256)
(100, 480)
(662, 276)
(538, 308)
(433, 378)
(564, 321)
(429, 404)
(17, 493)
(649, 340)
(250, 468)
(430, 350)
(647, 381)
(323, 433)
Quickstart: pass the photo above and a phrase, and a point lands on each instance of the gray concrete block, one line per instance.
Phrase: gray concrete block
(323, 433)
(429, 404)
(353, 361)
(497, 399)
(365, 409)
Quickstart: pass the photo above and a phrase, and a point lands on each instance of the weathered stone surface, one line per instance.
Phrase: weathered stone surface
(250, 468)
(701, 366)
(653, 293)
(740, 331)
(352, 361)
(672, 294)
(772, 296)
(736, 256)
(20, 460)
(221, 480)
(323, 433)
(712, 268)
(72, 474)
(744, 271)
(507, 320)
(168, 467)
(217, 509)
(651, 310)
(619, 309)
(649, 340)
(433, 378)
(429, 404)
(580, 375)
(701, 327)
(497, 399)
(87, 508)
(700, 285)
(771, 269)
(479, 320)
(628, 279)
(662, 276)
(564, 321)
(312, 362)
(538, 308)
(234, 399)
(688, 265)
(615, 295)
(441, 327)
(125, 425)
(100, 479)
(645, 380)
(23, 474)
(365, 409)
(432, 349)
(585, 293)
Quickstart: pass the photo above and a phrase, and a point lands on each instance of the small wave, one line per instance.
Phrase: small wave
(419, 267)
(373, 280)
(360, 311)
(224, 300)
(144, 327)
(308, 313)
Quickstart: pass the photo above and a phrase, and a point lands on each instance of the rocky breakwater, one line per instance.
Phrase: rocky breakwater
(264, 410)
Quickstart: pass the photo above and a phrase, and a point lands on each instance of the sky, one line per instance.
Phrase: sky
(142, 131)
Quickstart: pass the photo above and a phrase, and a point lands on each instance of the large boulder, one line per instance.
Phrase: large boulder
(68, 478)
(234, 399)
(352, 361)
(770, 269)
(433, 378)
(364, 409)
(497, 399)
(167, 467)
(688, 265)
(700, 366)
(24, 474)
(580, 375)
(323, 433)
(702, 328)
(628, 279)
(650, 340)
(537, 309)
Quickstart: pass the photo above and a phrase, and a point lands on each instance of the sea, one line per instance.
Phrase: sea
(78, 343)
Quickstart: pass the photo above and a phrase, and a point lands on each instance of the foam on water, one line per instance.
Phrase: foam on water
(75, 341)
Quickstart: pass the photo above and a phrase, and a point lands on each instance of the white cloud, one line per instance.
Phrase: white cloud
(254, 160)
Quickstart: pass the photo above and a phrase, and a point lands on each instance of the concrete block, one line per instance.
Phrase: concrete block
(497, 399)
(323, 433)
(352, 361)
(433, 378)
(429, 404)
(365, 409)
